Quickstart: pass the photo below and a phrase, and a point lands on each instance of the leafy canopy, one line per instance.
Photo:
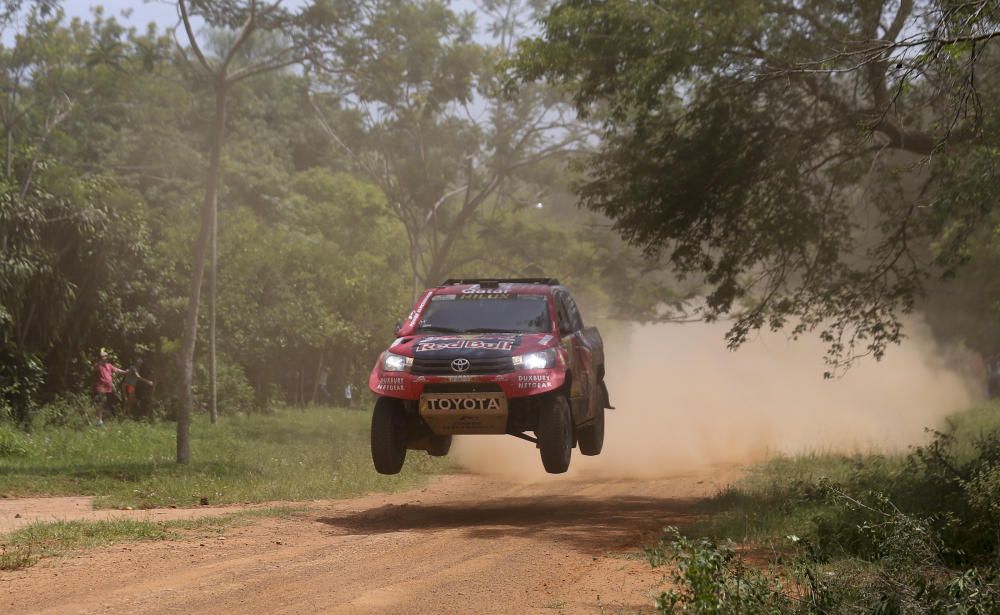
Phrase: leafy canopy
(779, 151)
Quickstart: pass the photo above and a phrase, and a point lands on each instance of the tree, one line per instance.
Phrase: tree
(307, 34)
(811, 162)
(315, 289)
(440, 137)
(73, 233)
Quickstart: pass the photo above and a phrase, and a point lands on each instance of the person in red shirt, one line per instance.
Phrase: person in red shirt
(104, 386)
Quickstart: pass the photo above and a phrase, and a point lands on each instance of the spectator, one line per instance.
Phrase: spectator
(132, 379)
(993, 377)
(349, 395)
(324, 393)
(104, 386)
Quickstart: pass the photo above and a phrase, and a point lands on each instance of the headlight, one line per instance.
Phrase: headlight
(396, 363)
(537, 360)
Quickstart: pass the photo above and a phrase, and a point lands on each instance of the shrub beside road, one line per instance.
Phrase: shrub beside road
(906, 533)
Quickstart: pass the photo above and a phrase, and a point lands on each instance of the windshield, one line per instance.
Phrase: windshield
(486, 313)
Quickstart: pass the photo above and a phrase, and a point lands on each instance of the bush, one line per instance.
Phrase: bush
(909, 577)
(12, 442)
(951, 482)
(69, 410)
(712, 579)
(235, 395)
(883, 535)
(21, 375)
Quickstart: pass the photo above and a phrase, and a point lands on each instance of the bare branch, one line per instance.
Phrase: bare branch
(245, 31)
(185, 18)
(259, 69)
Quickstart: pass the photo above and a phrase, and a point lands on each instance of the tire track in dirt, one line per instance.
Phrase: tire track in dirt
(463, 544)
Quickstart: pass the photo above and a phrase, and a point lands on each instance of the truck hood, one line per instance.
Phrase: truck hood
(472, 345)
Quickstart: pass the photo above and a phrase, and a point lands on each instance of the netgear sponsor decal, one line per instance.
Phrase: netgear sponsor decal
(533, 381)
(390, 383)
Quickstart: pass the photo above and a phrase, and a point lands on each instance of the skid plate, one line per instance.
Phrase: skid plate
(464, 413)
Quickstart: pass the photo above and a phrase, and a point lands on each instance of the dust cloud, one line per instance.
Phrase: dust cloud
(684, 401)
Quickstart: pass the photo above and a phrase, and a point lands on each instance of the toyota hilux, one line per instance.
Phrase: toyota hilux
(490, 356)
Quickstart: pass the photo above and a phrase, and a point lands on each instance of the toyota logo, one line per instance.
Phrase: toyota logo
(460, 365)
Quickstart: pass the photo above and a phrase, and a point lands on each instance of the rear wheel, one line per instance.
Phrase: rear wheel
(591, 437)
(388, 446)
(555, 435)
(440, 445)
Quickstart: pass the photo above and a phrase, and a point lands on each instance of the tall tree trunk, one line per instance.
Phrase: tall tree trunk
(213, 408)
(319, 372)
(189, 338)
(415, 263)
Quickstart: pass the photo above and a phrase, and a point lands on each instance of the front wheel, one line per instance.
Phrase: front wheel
(555, 435)
(388, 447)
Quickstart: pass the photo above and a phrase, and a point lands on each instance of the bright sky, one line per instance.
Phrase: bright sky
(163, 13)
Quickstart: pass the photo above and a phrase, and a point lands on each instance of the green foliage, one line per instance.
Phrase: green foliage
(905, 579)
(713, 578)
(983, 492)
(945, 481)
(319, 284)
(235, 395)
(74, 233)
(101, 185)
(24, 547)
(16, 558)
(900, 534)
(21, 375)
(12, 442)
(732, 147)
(48, 539)
(71, 410)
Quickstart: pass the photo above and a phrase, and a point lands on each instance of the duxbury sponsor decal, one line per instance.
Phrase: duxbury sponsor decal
(390, 383)
(533, 381)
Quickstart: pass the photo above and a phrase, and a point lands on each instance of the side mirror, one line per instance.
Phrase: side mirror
(399, 325)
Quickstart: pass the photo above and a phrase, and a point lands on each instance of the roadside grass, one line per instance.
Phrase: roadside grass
(26, 546)
(787, 496)
(288, 455)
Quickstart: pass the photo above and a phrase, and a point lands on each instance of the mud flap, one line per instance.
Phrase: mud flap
(607, 398)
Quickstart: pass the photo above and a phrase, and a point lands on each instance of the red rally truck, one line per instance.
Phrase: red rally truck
(478, 356)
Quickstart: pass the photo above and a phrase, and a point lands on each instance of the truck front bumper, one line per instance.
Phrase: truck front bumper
(516, 384)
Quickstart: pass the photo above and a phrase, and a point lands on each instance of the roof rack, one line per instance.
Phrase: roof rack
(491, 281)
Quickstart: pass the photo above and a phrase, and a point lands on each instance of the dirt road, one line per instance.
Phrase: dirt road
(463, 544)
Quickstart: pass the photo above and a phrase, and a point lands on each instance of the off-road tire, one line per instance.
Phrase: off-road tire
(440, 445)
(591, 437)
(555, 435)
(388, 444)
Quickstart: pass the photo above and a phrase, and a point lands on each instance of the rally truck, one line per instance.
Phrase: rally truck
(489, 356)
